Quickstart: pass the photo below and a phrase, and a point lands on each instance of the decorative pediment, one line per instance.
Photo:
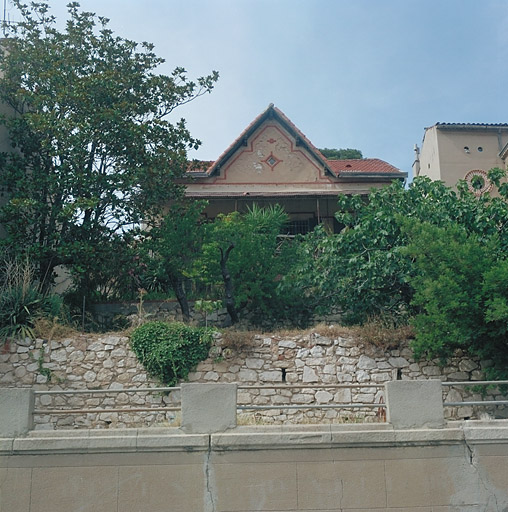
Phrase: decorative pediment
(271, 149)
(272, 157)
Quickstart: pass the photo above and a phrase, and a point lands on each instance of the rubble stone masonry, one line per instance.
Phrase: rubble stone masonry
(316, 362)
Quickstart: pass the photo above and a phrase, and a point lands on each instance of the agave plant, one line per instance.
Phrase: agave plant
(22, 301)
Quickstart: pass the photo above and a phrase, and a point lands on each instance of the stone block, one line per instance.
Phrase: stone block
(431, 371)
(323, 397)
(208, 408)
(414, 403)
(16, 408)
(272, 376)
(366, 363)
(343, 396)
(398, 362)
(287, 344)
(309, 375)
(466, 365)
(248, 376)
(254, 363)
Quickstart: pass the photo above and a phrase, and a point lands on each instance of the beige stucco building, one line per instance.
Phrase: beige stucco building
(272, 161)
(453, 151)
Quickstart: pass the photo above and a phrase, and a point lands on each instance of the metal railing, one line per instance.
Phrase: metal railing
(350, 405)
(71, 392)
(494, 383)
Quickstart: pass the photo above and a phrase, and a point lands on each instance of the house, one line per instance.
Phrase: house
(272, 161)
(460, 151)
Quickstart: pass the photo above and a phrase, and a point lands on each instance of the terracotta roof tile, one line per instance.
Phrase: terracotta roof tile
(362, 165)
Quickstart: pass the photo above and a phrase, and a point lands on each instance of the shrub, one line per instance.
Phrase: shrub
(170, 351)
(22, 302)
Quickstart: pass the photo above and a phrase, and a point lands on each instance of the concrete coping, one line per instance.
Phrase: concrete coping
(253, 438)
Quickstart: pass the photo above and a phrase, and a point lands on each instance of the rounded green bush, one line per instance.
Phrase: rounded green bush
(169, 351)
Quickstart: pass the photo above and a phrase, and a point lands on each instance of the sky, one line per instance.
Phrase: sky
(364, 74)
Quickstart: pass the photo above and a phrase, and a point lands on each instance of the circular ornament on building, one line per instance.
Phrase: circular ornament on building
(478, 182)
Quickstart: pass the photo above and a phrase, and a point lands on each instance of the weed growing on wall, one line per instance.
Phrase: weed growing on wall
(169, 351)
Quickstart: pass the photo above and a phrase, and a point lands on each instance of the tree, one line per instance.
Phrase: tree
(94, 152)
(243, 252)
(364, 270)
(461, 291)
(341, 154)
(175, 244)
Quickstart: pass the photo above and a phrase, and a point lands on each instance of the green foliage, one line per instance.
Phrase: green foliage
(18, 308)
(207, 307)
(364, 270)
(170, 351)
(341, 154)
(89, 120)
(448, 288)
(174, 243)
(461, 291)
(256, 258)
(22, 302)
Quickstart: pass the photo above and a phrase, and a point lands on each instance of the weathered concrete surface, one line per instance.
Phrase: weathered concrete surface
(414, 404)
(208, 408)
(16, 411)
(331, 468)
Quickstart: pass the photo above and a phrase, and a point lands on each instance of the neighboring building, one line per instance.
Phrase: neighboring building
(272, 161)
(453, 151)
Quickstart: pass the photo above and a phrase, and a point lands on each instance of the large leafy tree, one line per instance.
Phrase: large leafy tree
(94, 152)
(364, 270)
(175, 244)
(461, 291)
(244, 254)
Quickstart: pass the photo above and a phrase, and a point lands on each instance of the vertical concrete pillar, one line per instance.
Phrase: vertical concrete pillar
(16, 411)
(208, 408)
(414, 403)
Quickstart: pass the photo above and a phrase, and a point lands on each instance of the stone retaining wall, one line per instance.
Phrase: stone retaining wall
(106, 362)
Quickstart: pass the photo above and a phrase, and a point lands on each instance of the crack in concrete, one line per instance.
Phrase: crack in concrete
(490, 493)
(209, 498)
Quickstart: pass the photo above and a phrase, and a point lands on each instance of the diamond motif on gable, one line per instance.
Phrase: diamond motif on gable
(272, 161)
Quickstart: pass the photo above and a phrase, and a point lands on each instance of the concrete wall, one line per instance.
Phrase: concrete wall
(327, 468)
(414, 463)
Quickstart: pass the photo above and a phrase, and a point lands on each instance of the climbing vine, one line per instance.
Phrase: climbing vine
(169, 351)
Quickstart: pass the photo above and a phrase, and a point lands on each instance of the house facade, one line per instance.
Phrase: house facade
(272, 161)
(454, 151)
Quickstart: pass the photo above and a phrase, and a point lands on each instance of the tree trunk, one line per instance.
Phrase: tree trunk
(181, 296)
(228, 284)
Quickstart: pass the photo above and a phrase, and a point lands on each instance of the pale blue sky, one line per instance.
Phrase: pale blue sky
(366, 74)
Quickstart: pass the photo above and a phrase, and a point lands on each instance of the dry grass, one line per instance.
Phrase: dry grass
(377, 332)
(237, 341)
(50, 329)
(380, 335)
(329, 331)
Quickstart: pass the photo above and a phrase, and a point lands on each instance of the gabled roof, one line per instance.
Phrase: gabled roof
(274, 113)
(366, 167)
